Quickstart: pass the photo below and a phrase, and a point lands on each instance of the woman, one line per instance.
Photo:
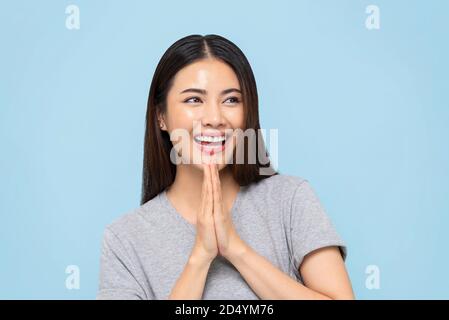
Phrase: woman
(226, 226)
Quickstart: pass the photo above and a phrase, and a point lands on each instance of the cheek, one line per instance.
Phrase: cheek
(189, 113)
(181, 117)
(235, 117)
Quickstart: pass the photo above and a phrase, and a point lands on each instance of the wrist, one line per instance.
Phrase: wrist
(199, 259)
(237, 249)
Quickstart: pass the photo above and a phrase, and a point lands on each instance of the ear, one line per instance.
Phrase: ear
(161, 122)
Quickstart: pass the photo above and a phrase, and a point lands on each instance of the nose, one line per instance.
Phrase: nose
(212, 116)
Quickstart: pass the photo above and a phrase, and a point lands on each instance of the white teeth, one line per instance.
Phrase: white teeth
(210, 138)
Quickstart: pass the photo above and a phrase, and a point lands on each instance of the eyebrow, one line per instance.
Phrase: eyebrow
(204, 92)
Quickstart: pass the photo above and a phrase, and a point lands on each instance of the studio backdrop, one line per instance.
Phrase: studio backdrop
(356, 91)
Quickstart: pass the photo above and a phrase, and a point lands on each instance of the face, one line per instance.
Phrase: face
(204, 107)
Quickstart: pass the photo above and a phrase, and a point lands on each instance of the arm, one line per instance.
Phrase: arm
(190, 285)
(118, 273)
(323, 272)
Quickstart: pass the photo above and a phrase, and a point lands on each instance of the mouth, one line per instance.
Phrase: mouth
(210, 144)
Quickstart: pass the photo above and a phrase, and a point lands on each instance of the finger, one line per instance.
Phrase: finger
(209, 191)
(217, 183)
(216, 191)
(203, 194)
(217, 174)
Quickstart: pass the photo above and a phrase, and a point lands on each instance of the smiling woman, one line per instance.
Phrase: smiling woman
(217, 229)
(200, 83)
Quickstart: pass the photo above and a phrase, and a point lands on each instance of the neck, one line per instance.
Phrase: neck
(187, 187)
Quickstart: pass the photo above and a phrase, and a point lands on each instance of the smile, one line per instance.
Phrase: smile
(210, 144)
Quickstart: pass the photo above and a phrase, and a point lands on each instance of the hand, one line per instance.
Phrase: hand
(228, 240)
(206, 242)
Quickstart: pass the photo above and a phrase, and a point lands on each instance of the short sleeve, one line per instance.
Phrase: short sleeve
(117, 281)
(310, 227)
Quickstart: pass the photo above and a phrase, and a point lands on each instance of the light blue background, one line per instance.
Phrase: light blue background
(362, 114)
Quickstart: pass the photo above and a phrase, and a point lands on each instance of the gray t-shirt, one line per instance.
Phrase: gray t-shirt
(145, 251)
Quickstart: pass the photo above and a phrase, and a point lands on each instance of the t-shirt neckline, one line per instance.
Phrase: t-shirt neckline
(173, 212)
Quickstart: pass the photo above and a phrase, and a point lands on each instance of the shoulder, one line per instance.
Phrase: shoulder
(135, 221)
(275, 193)
(276, 185)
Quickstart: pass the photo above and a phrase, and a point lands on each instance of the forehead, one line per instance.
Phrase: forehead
(206, 73)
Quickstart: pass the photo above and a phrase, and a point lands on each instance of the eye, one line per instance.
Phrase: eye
(234, 99)
(197, 100)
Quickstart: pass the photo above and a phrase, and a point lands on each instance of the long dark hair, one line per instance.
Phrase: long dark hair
(158, 171)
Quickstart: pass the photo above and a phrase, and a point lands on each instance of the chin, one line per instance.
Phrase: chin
(220, 166)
